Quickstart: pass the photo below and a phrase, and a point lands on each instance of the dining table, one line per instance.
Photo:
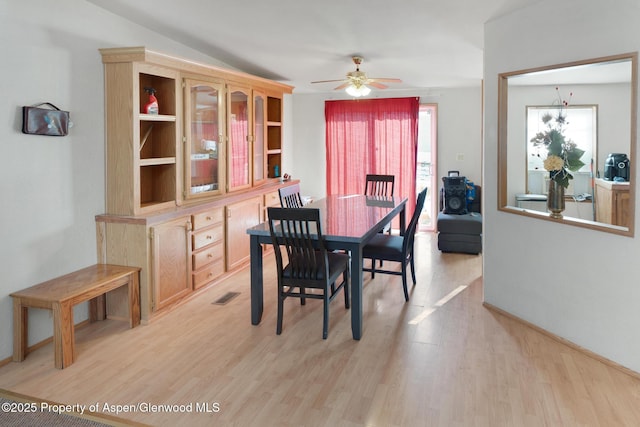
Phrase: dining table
(347, 223)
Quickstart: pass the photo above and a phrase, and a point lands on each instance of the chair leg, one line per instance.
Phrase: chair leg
(413, 271)
(325, 320)
(280, 311)
(404, 281)
(373, 268)
(303, 300)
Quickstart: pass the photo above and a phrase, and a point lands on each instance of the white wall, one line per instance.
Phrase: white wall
(577, 283)
(459, 132)
(51, 187)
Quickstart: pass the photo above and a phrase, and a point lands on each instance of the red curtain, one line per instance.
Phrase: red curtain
(377, 136)
(239, 150)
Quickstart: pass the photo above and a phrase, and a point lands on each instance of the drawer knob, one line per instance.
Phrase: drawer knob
(209, 237)
(210, 274)
(208, 218)
(209, 255)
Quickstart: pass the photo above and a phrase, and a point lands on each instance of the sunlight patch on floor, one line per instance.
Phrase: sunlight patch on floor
(426, 313)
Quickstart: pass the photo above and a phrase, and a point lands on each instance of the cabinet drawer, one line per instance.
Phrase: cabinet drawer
(208, 255)
(272, 199)
(207, 218)
(209, 273)
(208, 236)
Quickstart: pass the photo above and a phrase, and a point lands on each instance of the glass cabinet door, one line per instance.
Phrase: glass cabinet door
(204, 133)
(259, 137)
(239, 153)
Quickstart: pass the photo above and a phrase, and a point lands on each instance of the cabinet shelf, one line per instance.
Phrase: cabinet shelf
(157, 118)
(274, 109)
(274, 160)
(158, 161)
(157, 139)
(274, 137)
(157, 184)
(154, 206)
(164, 82)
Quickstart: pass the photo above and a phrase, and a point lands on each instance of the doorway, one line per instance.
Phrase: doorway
(426, 159)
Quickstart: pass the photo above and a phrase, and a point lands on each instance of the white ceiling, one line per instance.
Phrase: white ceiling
(426, 43)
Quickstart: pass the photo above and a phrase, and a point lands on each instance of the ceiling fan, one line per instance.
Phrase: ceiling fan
(356, 82)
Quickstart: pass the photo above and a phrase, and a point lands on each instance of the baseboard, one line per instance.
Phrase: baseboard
(564, 341)
(6, 361)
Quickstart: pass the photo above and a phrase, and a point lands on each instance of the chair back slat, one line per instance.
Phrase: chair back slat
(299, 231)
(290, 196)
(379, 185)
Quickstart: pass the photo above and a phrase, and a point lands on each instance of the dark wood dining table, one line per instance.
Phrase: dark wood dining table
(348, 222)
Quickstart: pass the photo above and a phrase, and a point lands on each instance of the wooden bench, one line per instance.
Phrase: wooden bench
(60, 295)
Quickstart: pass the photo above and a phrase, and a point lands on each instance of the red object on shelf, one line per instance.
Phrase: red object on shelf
(151, 107)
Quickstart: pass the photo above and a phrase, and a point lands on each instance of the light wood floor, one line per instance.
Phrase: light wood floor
(440, 360)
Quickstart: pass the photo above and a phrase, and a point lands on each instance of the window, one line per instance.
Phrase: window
(372, 136)
(581, 128)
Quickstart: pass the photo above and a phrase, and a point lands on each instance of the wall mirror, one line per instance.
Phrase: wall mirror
(583, 113)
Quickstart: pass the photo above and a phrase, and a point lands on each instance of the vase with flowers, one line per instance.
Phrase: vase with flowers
(563, 155)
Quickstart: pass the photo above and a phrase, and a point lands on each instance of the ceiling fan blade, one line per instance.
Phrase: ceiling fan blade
(377, 85)
(328, 81)
(384, 79)
(358, 78)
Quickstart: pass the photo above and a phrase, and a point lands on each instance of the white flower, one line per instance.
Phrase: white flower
(553, 163)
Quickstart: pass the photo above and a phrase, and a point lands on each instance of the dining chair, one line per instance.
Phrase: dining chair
(381, 186)
(310, 266)
(290, 196)
(396, 248)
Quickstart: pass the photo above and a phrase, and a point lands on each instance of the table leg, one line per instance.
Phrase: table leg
(257, 296)
(20, 330)
(356, 292)
(63, 335)
(134, 299)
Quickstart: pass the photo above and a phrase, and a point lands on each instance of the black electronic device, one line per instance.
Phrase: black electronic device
(616, 167)
(455, 194)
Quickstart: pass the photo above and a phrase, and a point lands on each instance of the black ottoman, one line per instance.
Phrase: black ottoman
(460, 233)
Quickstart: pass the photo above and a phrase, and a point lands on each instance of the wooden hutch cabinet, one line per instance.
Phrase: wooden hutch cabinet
(183, 185)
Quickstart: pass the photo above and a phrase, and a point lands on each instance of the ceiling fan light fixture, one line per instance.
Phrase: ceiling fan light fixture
(358, 91)
(355, 83)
